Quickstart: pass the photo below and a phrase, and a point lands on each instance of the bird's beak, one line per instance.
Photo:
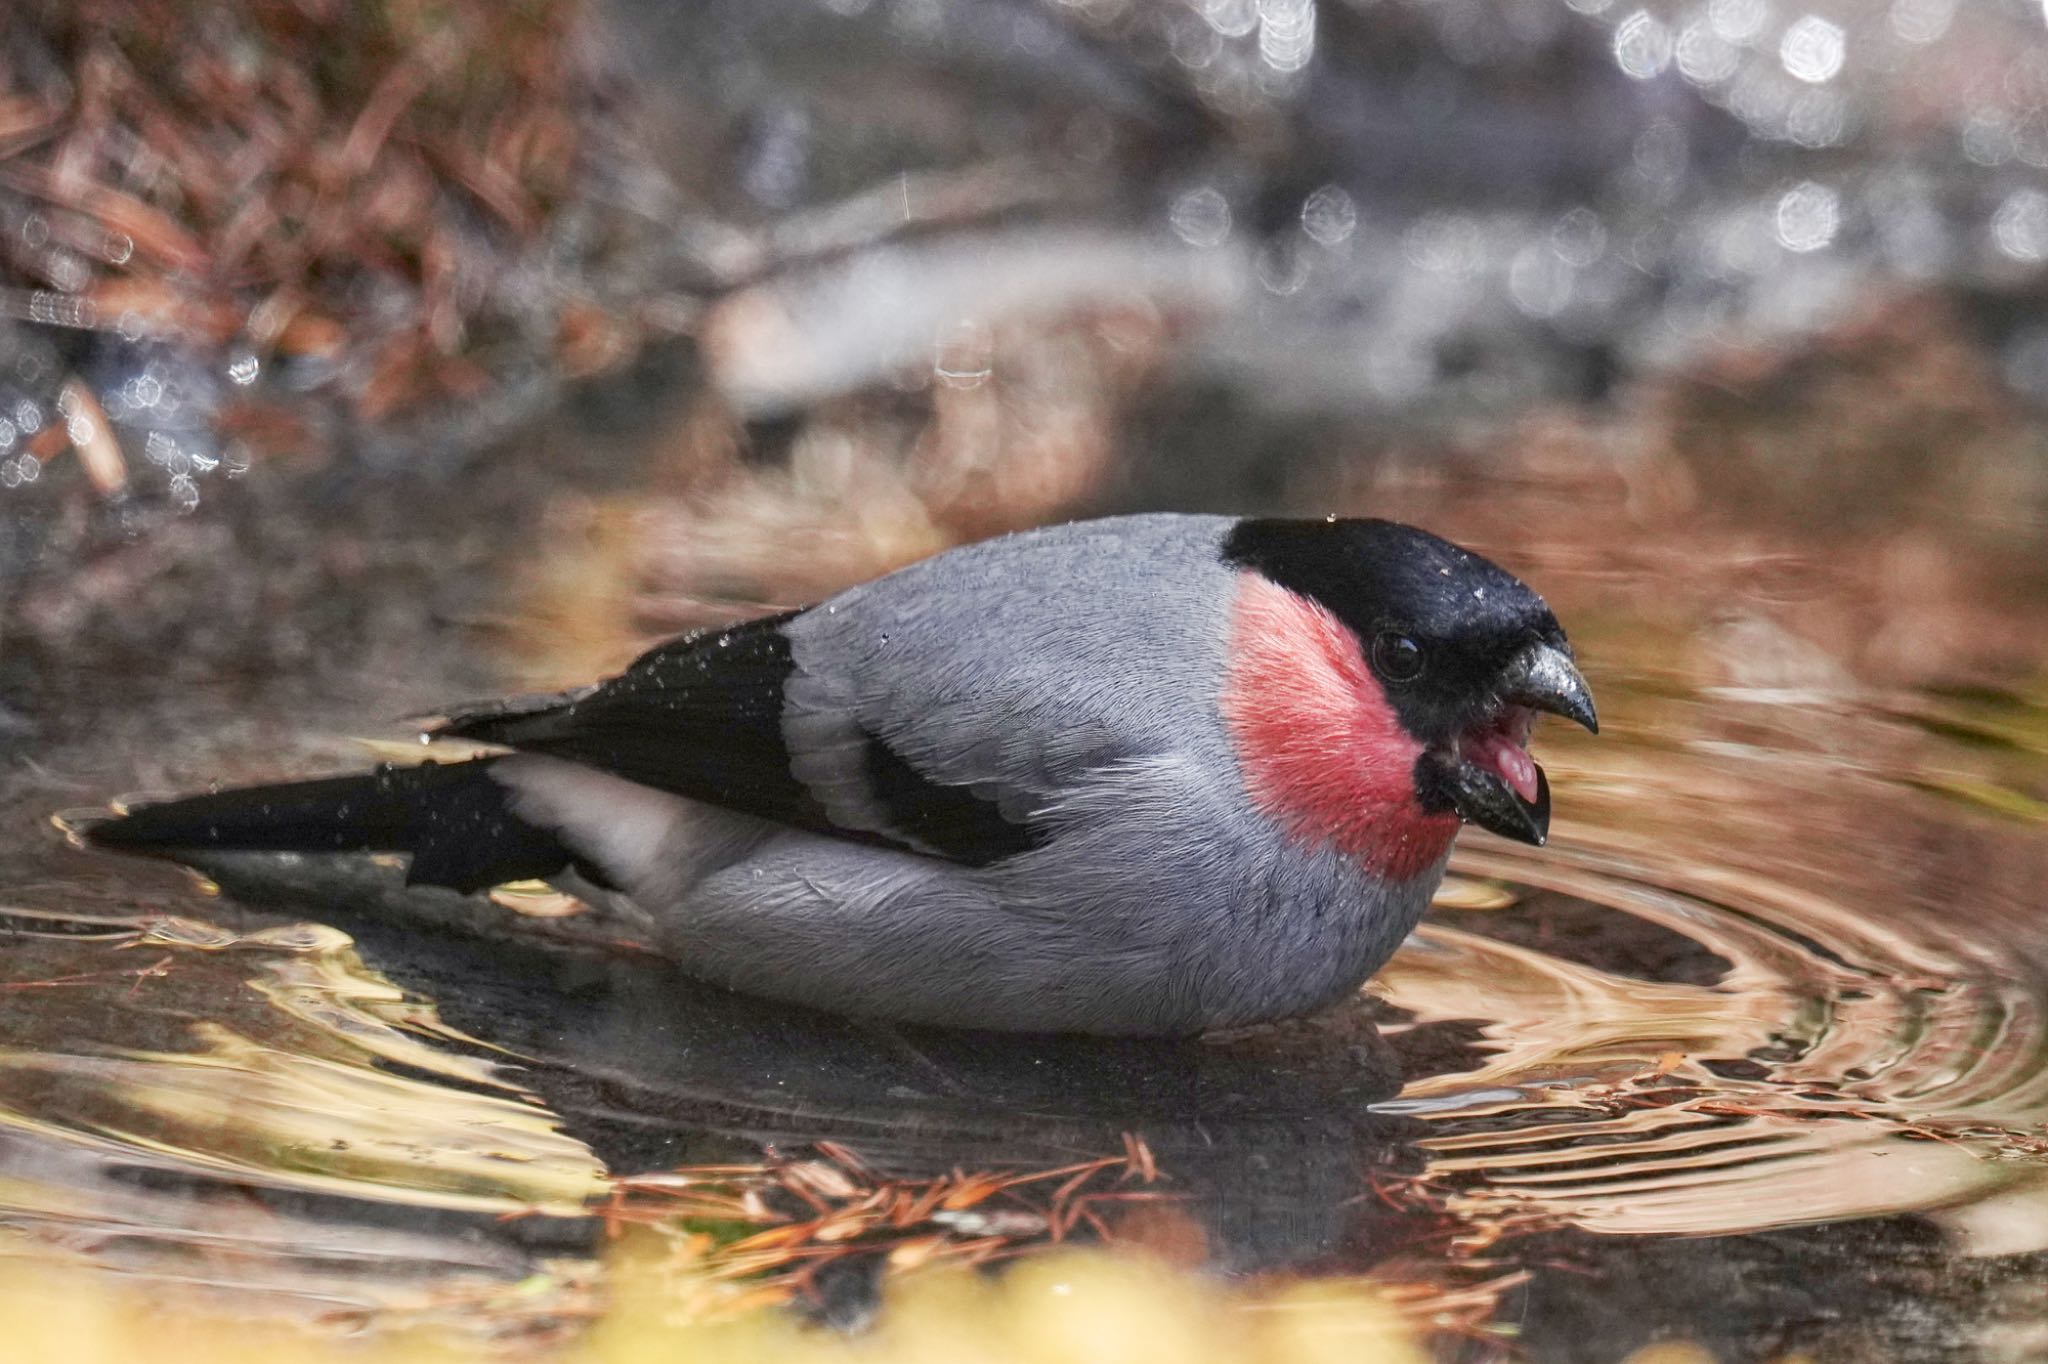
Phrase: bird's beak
(1484, 799)
(1484, 775)
(1543, 677)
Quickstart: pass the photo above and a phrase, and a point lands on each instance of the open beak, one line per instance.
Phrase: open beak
(1488, 777)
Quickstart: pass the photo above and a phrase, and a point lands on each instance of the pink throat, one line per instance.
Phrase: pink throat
(1320, 747)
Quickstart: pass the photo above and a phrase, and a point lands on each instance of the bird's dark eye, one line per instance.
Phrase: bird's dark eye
(1396, 657)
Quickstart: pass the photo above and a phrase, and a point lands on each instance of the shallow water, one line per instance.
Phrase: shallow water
(1712, 320)
(1753, 1053)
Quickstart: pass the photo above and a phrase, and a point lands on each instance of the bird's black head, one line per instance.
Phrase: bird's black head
(1464, 651)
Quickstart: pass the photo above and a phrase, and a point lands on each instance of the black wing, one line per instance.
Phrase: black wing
(701, 717)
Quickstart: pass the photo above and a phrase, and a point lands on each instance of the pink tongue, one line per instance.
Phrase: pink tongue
(1511, 760)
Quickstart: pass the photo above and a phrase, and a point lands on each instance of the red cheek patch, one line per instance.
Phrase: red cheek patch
(1321, 750)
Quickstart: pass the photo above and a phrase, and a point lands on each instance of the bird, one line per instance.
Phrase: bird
(1142, 775)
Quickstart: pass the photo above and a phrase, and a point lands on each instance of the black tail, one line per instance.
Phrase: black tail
(455, 820)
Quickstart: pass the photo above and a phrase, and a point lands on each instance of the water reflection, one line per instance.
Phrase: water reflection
(538, 1075)
(259, 1112)
(1753, 984)
(1830, 1003)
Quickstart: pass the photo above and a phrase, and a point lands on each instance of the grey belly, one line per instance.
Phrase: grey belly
(862, 931)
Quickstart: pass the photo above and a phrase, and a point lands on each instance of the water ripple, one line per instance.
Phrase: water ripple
(1841, 1063)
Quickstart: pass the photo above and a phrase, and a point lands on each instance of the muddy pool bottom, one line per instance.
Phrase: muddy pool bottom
(1754, 1055)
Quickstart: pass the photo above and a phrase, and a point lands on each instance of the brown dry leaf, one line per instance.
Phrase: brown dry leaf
(971, 1190)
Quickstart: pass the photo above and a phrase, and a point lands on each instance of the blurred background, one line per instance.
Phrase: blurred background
(359, 358)
(759, 298)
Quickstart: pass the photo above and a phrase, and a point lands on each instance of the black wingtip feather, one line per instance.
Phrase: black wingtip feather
(496, 722)
(455, 820)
